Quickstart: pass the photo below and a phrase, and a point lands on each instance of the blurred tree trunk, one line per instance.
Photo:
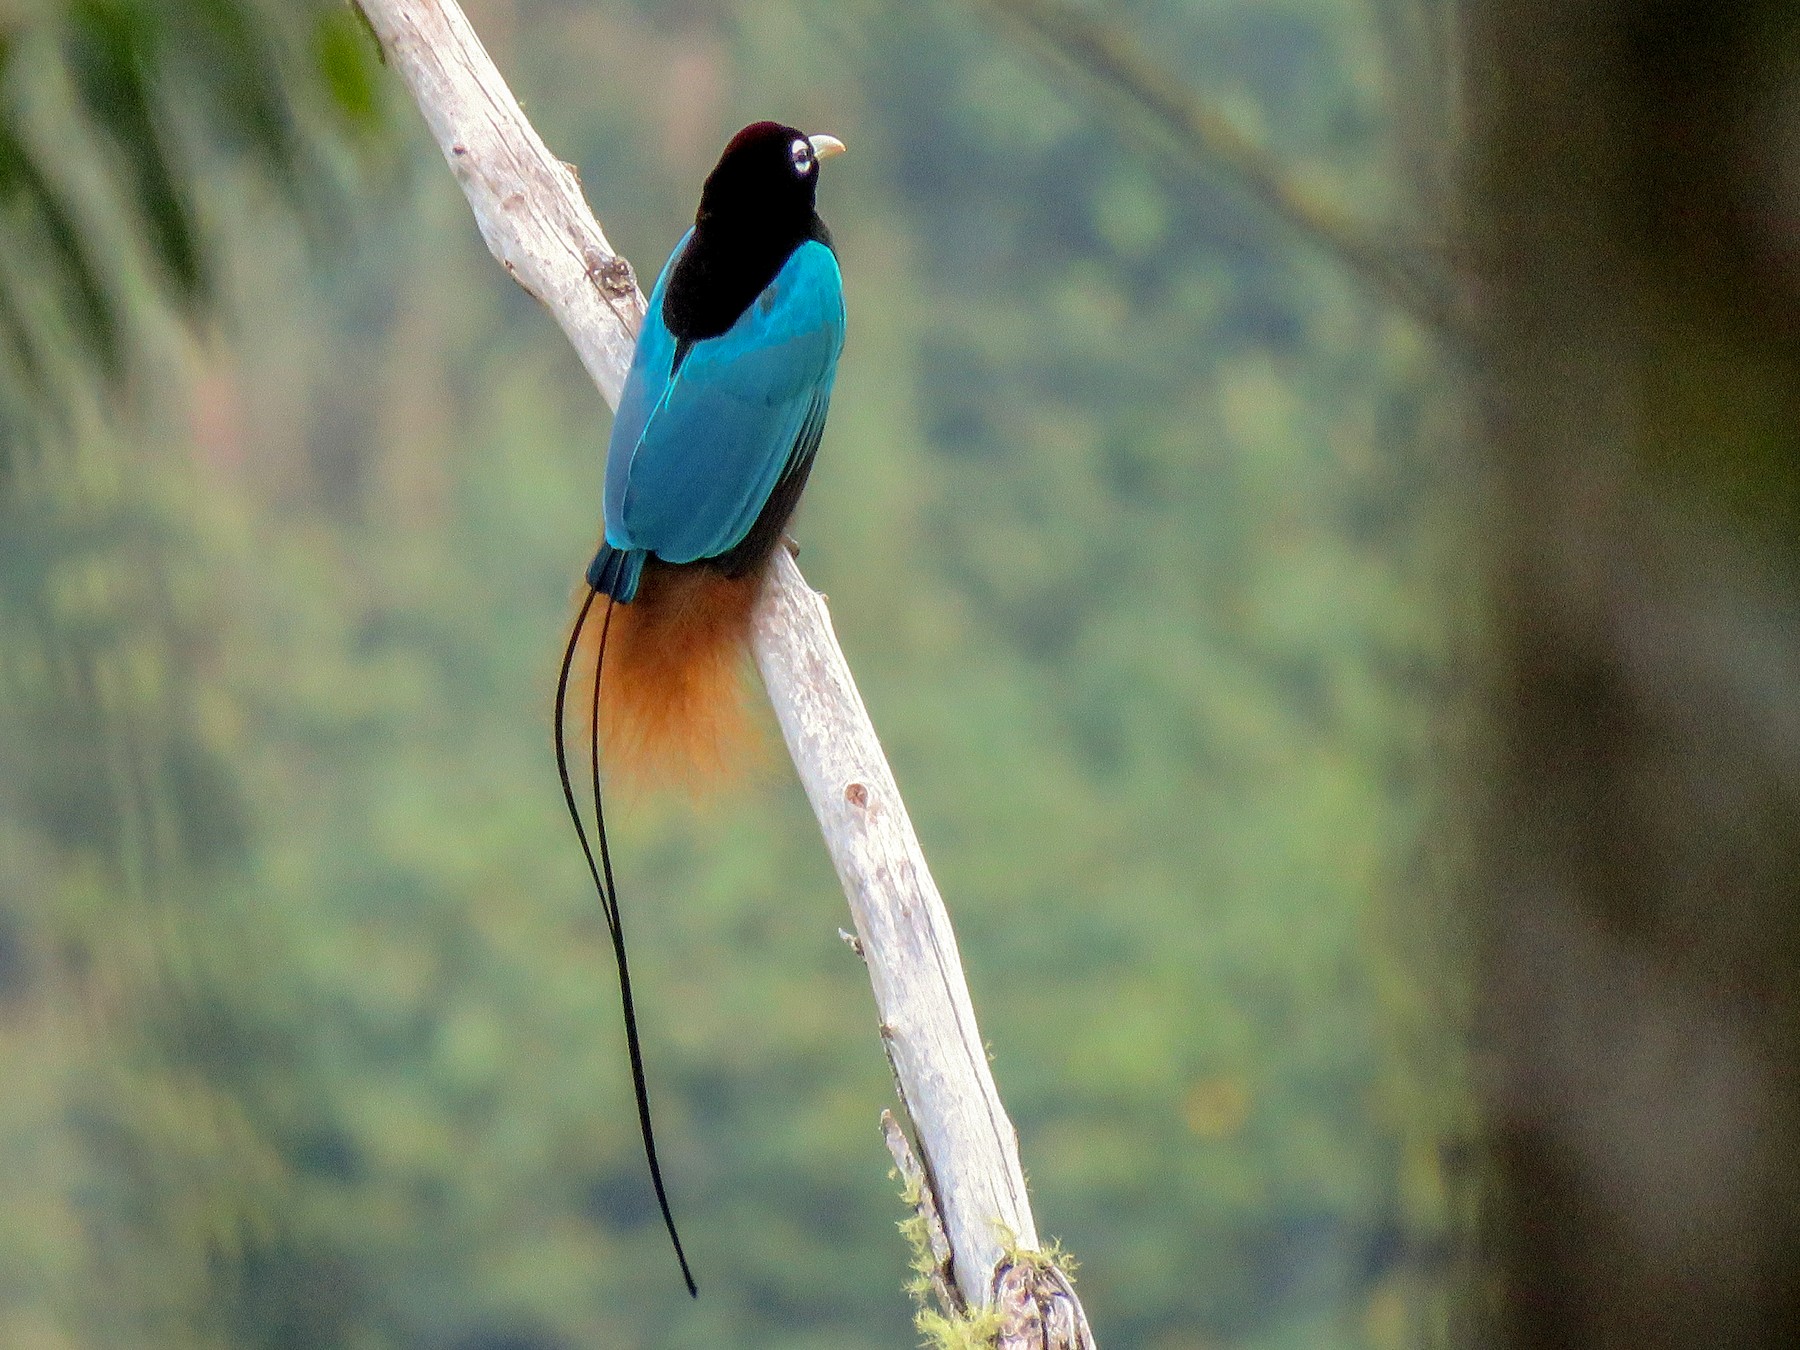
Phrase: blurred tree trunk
(1635, 226)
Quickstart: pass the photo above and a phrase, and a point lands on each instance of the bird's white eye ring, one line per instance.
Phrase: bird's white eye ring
(801, 153)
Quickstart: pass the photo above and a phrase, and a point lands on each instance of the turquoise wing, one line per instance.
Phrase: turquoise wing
(700, 444)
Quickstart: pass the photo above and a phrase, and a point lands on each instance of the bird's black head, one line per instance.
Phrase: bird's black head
(767, 179)
(755, 210)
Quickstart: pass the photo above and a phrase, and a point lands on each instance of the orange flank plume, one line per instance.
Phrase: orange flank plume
(672, 703)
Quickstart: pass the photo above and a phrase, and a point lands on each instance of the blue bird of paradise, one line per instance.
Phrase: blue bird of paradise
(715, 434)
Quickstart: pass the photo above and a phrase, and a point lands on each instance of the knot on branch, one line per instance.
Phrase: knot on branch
(613, 275)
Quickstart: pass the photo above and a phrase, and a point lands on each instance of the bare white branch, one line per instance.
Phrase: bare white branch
(969, 1148)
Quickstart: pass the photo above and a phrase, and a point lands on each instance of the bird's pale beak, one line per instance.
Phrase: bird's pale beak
(824, 147)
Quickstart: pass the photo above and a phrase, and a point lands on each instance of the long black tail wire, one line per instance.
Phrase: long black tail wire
(601, 871)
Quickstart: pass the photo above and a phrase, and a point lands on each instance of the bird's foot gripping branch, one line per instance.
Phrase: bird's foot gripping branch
(1031, 1304)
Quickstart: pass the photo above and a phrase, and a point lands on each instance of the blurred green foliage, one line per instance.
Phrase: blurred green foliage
(110, 113)
(1143, 535)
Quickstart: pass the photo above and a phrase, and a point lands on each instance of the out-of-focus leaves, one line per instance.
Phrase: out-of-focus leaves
(31, 201)
(114, 49)
(167, 89)
(21, 352)
(120, 810)
(347, 54)
(232, 41)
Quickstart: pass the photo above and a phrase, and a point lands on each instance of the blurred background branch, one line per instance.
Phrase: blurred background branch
(1166, 112)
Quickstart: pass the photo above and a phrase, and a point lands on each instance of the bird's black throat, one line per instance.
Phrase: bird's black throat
(724, 267)
(755, 210)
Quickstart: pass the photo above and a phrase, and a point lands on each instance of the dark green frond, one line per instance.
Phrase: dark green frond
(35, 207)
(114, 49)
(167, 88)
(19, 349)
(231, 44)
(348, 57)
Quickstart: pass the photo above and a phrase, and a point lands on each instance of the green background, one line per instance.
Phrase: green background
(1145, 532)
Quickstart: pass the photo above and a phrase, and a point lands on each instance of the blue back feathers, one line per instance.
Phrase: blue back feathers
(708, 434)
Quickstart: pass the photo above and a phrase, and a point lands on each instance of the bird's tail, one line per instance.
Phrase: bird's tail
(673, 708)
(607, 888)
